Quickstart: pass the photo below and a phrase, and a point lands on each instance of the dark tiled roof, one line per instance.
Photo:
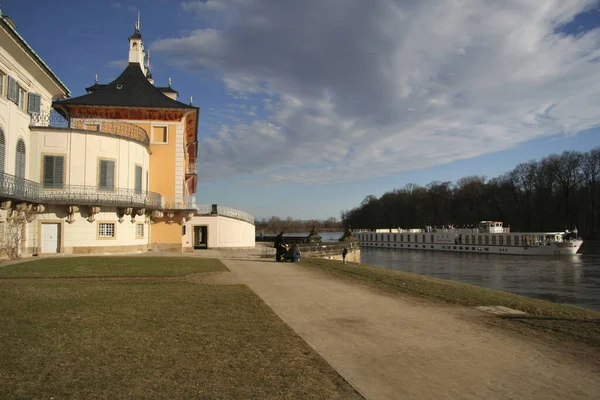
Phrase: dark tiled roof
(94, 87)
(136, 34)
(130, 89)
(167, 89)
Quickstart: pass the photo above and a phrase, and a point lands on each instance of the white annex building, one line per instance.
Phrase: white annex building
(110, 171)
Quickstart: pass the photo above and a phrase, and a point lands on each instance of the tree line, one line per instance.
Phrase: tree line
(561, 191)
(290, 225)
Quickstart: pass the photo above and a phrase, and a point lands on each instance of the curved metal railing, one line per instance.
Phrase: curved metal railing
(93, 195)
(122, 129)
(214, 209)
(13, 187)
(18, 188)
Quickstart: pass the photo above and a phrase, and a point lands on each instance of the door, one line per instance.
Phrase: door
(200, 237)
(50, 238)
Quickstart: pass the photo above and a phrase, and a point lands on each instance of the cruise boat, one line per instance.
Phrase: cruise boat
(488, 237)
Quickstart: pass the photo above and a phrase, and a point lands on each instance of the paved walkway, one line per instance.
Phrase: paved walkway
(389, 347)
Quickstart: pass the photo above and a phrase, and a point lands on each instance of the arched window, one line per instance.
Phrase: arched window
(20, 160)
(1, 149)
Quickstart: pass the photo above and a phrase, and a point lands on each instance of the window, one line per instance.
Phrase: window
(20, 160)
(487, 239)
(516, 240)
(501, 240)
(139, 230)
(2, 142)
(34, 103)
(467, 239)
(21, 99)
(106, 230)
(508, 240)
(432, 239)
(479, 239)
(106, 178)
(493, 240)
(13, 90)
(159, 134)
(138, 179)
(53, 171)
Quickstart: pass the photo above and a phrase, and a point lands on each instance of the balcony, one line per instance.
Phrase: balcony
(15, 188)
(20, 189)
(92, 195)
(110, 127)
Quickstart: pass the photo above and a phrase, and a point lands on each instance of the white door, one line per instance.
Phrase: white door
(50, 238)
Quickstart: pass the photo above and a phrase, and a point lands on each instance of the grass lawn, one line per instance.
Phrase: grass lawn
(565, 322)
(110, 266)
(164, 339)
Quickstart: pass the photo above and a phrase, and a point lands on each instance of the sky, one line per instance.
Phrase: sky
(307, 107)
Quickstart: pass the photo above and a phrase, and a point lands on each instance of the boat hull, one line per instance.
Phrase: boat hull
(551, 249)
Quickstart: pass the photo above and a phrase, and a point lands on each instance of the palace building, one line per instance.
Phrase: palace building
(110, 171)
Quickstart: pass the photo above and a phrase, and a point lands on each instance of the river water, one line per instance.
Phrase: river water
(572, 280)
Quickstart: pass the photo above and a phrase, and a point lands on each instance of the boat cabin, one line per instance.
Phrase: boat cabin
(491, 227)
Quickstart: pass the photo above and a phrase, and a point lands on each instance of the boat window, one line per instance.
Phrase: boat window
(479, 239)
(487, 239)
(487, 249)
(388, 237)
(424, 240)
(493, 239)
(467, 239)
(416, 238)
(395, 237)
(408, 238)
(501, 240)
(401, 238)
(431, 238)
(473, 239)
(516, 241)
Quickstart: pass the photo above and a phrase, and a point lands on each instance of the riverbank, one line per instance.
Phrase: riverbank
(566, 323)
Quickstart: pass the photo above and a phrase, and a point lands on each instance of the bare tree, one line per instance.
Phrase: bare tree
(13, 235)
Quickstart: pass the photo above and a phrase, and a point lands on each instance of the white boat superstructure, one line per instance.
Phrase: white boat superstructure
(488, 237)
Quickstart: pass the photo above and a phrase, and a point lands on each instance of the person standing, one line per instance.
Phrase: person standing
(279, 247)
(344, 254)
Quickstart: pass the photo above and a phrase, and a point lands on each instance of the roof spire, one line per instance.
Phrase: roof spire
(169, 81)
(96, 81)
(148, 66)
(138, 21)
(191, 101)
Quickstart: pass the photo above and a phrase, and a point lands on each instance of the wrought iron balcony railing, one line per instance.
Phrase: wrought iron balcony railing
(12, 187)
(17, 188)
(126, 130)
(92, 195)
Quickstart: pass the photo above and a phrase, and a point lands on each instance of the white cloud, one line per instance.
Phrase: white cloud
(375, 88)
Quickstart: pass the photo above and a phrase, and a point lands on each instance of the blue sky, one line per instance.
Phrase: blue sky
(308, 107)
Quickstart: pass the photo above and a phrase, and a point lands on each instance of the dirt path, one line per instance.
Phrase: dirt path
(389, 347)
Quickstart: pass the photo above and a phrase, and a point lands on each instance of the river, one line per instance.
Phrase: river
(572, 280)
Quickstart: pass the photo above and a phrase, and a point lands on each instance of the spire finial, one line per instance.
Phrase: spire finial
(169, 81)
(138, 21)
(96, 78)
(191, 101)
